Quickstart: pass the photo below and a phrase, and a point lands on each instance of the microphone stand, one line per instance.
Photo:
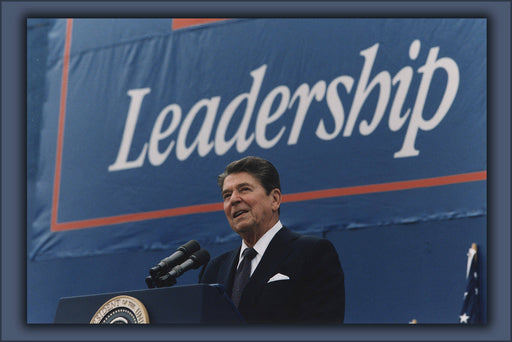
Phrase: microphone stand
(160, 281)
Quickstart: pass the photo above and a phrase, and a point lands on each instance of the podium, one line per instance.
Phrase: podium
(188, 304)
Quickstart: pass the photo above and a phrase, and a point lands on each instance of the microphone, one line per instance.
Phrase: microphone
(150, 283)
(195, 261)
(181, 254)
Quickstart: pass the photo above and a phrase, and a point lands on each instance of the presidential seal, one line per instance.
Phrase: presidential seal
(121, 310)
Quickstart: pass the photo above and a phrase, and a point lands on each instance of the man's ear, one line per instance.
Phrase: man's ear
(276, 198)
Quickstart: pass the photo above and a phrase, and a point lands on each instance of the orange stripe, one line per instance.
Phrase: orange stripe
(384, 187)
(179, 23)
(62, 116)
(106, 221)
(303, 196)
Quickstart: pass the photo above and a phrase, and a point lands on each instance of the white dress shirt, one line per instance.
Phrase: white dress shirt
(260, 246)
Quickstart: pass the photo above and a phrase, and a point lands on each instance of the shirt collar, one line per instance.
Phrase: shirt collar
(262, 244)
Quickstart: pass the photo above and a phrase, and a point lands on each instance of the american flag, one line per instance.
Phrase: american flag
(470, 312)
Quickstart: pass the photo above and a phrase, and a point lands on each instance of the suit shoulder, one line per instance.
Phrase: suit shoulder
(224, 256)
(313, 246)
(220, 259)
(211, 271)
(310, 240)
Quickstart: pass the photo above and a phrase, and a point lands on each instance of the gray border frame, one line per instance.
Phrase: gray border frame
(13, 186)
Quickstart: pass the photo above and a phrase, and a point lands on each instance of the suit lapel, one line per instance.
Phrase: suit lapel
(276, 251)
(228, 270)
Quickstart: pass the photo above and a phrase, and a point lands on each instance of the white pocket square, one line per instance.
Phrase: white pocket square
(277, 277)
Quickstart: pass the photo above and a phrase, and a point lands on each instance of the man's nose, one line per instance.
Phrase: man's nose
(235, 197)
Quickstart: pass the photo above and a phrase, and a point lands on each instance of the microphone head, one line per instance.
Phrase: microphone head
(190, 247)
(200, 258)
(181, 254)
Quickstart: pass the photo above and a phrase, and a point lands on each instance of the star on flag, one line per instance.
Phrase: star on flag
(464, 318)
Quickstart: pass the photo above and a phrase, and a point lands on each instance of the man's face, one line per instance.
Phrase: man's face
(248, 208)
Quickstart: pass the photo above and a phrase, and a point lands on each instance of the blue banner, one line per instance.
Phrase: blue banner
(369, 122)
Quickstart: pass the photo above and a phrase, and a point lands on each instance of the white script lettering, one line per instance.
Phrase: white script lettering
(279, 103)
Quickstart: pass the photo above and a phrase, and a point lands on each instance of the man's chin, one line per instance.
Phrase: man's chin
(242, 228)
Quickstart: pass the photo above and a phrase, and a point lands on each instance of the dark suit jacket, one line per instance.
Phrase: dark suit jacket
(315, 292)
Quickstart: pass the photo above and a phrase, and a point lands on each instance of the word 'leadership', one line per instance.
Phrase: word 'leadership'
(279, 101)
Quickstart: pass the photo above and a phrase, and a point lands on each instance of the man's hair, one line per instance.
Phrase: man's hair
(259, 168)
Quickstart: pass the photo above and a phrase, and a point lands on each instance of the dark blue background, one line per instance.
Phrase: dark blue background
(188, 65)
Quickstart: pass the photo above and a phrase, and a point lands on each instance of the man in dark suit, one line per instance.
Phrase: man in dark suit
(290, 278)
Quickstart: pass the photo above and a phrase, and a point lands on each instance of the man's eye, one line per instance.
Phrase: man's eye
(226, 196)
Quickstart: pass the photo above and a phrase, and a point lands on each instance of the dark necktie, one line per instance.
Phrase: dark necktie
(242, 275)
